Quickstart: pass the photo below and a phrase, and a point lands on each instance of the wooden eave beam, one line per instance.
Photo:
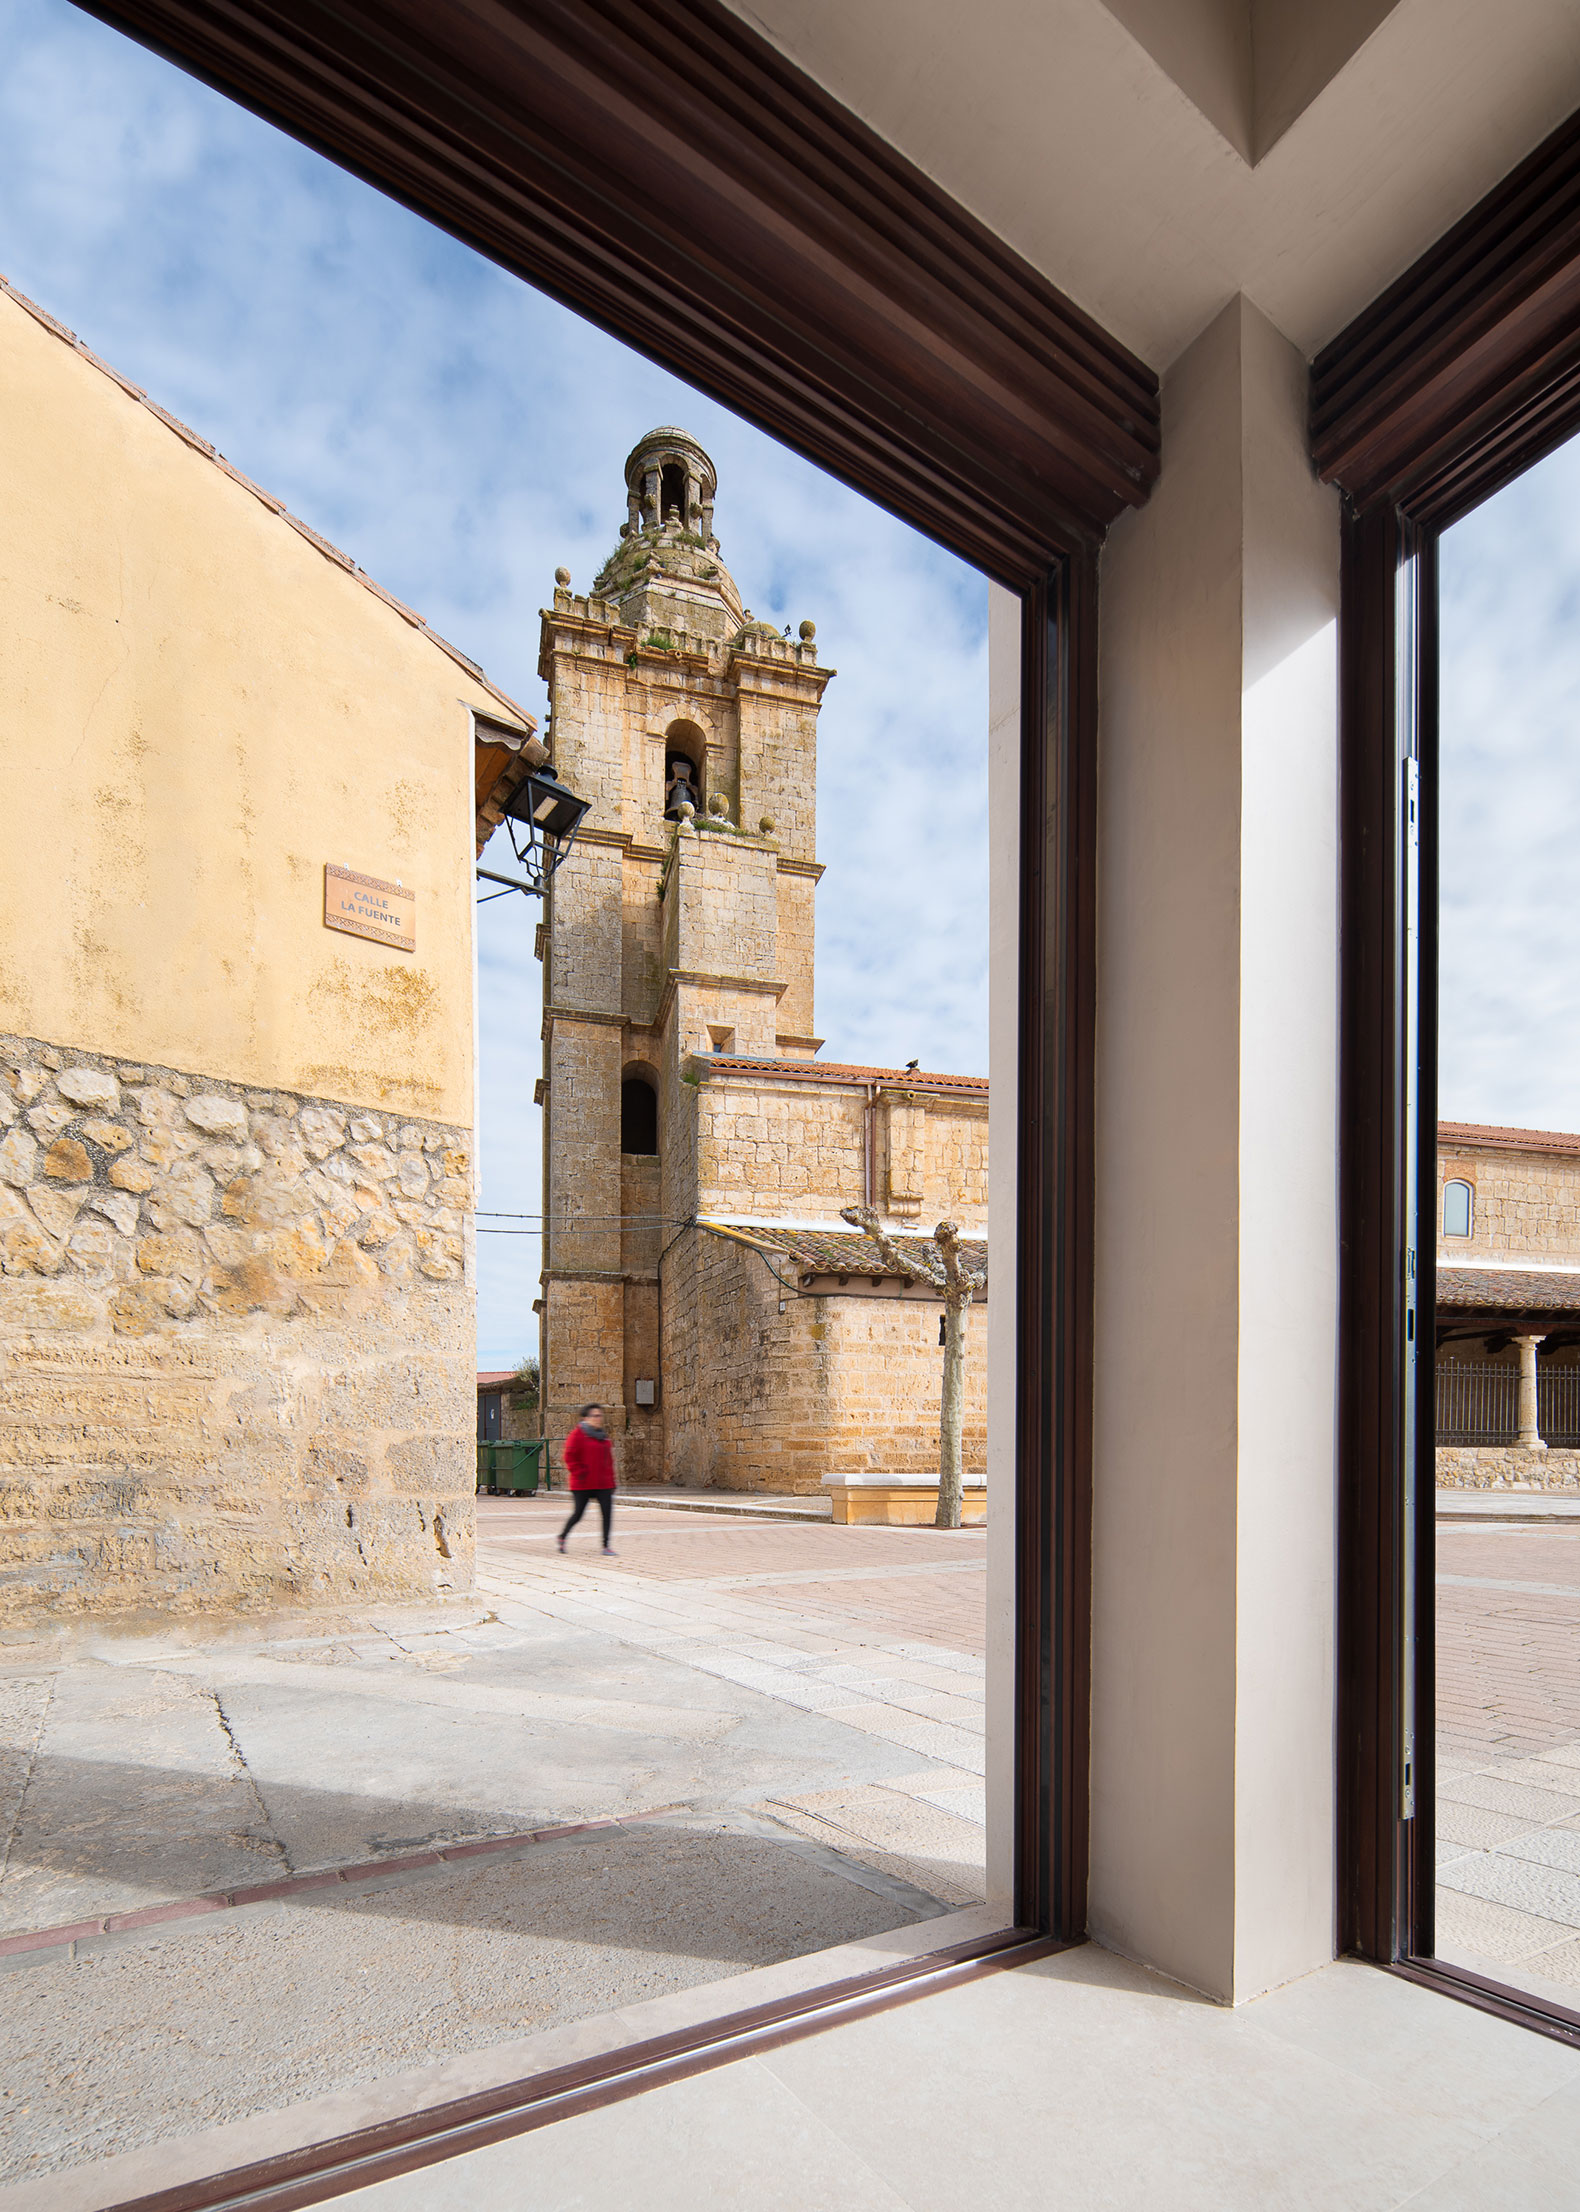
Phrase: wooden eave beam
(1474, 351)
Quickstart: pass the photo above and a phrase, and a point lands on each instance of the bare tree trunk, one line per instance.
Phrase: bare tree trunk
(952, 1415)
(956, 1283)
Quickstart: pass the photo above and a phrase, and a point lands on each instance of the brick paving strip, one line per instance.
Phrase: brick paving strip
(1508, 1743)
(62, 1942)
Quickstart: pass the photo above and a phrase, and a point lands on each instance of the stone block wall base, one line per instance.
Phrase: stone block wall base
(1507, 1467)
(904, 1506)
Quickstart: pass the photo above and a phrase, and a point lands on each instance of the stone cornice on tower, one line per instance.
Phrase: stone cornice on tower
(757, 658)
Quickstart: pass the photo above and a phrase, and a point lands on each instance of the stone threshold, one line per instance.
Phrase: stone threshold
(76, 1938)
(767, 1506)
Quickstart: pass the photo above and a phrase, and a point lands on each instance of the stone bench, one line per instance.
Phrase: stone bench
(900, 1501)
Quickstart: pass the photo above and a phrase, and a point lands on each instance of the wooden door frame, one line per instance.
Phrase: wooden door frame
(658, 167)
(1456, 380)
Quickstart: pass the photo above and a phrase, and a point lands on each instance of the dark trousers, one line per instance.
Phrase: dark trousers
(583, 1500)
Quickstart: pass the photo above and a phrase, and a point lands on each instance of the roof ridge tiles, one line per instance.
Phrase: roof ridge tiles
(1508, 1138)
(321, 544)
(819, 1071)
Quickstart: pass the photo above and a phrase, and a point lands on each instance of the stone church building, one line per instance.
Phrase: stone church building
(698, 1279)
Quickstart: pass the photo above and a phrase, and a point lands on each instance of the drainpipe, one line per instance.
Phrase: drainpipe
(869, 1147)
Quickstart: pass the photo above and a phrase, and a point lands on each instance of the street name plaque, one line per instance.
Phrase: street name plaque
(369, 907)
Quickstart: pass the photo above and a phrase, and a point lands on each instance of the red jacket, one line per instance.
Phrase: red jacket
(589, 1460)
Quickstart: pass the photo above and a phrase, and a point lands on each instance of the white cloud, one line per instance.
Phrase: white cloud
(461, 436)
(1509, 1047)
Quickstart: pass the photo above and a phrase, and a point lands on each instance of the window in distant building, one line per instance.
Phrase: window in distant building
(1457, 1199)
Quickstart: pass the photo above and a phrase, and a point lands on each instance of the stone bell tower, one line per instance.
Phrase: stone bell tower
(680, 923)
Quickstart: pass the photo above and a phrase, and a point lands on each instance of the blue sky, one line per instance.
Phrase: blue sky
(461, 436)
(1509, 1019)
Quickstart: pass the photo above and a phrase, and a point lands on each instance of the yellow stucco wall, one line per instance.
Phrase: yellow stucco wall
(198, 709)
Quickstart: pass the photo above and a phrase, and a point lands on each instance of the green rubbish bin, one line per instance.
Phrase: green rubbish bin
(515, 1470)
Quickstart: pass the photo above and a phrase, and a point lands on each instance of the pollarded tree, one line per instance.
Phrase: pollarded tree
(958, 1285)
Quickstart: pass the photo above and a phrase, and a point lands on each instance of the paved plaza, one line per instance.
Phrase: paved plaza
(247, 1868)
(1508, 1795)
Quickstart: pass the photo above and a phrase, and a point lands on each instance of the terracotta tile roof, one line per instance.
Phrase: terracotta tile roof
(832, 1071)
(848, 1252)
(1470, 1135)
(495, 1378)
(1506, 1290)
(275, 506)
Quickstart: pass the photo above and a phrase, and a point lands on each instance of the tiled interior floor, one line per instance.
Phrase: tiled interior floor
(1078, 2085)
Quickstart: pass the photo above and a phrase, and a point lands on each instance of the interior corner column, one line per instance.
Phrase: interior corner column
(1216, 1223)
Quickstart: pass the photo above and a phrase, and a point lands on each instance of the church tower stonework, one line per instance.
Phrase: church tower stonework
(680, 924)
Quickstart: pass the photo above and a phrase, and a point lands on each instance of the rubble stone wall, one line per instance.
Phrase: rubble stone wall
(236, 1343)
(1506, 1466)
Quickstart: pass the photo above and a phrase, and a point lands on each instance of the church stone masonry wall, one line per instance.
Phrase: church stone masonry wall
(236, 1343)
(775, 1147)
(771, 1400)
(1527, 1204)
(794, 955)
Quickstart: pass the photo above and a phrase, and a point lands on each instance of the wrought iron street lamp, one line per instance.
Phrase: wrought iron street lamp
(543, 816)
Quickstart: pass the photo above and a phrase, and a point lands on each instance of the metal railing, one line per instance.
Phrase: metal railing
(1558, 1403)
(1477, 1404)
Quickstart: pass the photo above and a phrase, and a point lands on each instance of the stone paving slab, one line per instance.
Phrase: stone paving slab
(766, 1505)
(784, 1685)
(1508, 1809)
(251, 2011)
(143, 1769)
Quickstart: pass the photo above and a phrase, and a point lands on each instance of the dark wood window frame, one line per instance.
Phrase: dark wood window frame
(657, 166)
(1461, 376)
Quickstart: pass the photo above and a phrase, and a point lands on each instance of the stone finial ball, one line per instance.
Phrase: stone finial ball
(808, 632)
(766, 825)
(686, 811)
(719, 807)
(562, 577)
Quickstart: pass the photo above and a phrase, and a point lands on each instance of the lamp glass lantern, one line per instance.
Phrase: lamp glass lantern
(543, 816)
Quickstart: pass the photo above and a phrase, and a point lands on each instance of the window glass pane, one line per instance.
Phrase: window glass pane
(1507, 1803)
(492, 1775)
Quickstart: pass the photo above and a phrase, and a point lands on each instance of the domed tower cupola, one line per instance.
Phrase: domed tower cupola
(665, 575)
(669, 484)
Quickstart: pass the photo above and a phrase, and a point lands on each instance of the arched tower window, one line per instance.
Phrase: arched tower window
(672, 491)
(1458, 1204)
(684, 760)
(638, 1116)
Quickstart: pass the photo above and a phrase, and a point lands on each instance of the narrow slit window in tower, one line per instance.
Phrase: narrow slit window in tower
(638, 1116)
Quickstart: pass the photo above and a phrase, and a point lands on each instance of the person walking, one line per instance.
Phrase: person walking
(589, 1472)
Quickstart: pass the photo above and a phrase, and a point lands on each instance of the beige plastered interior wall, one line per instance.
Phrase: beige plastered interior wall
(198, 711)
(1216, 1225)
